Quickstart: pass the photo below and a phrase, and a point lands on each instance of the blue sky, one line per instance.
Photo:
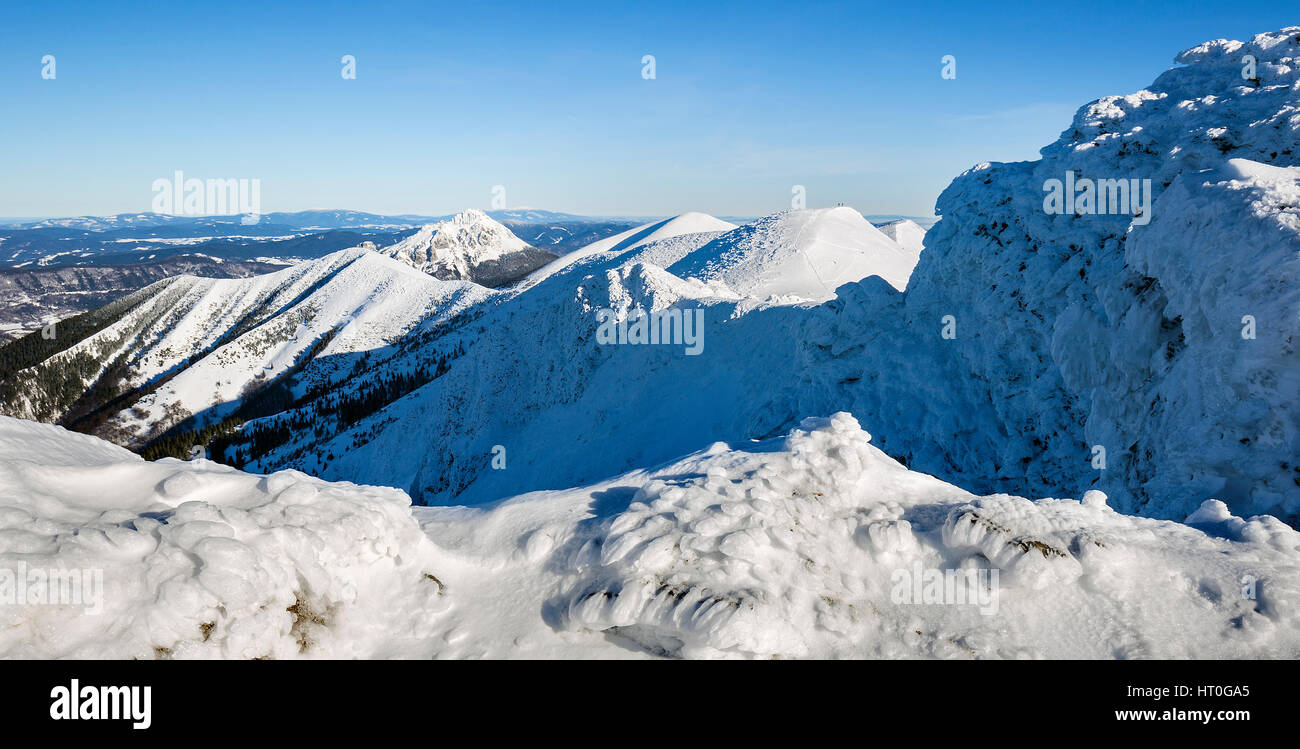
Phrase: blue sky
(548, 100)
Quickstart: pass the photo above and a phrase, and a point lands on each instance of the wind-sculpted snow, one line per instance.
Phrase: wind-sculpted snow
(1087, 332)
(815, 544)
(198, 560)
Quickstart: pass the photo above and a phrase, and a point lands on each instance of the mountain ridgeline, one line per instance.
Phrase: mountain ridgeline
(1011, 348)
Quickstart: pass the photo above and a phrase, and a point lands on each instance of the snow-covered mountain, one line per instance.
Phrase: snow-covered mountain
(907, 233)
(813, 544)
(1141, 358)
(690, 226)
(1030, 352)
(530, 368)
(802, 254)
(195, 348)
(469, 246)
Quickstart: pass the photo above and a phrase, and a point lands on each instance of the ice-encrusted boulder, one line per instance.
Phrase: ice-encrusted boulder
(1151, 355)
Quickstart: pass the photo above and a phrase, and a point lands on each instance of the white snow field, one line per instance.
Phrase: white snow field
(813, 545)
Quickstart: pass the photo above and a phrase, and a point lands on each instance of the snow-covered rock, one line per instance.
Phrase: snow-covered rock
(1104, 349)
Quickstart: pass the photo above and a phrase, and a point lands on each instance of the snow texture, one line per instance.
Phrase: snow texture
(793, 547)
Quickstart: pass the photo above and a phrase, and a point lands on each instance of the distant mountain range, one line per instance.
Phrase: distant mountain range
(345, 219)
(312, 219)
(96, 260)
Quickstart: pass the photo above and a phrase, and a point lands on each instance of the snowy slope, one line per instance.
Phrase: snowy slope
(211, 340)
(907, 233)
(809, 545)
(687, 224)
(369, 302)
(801, 254)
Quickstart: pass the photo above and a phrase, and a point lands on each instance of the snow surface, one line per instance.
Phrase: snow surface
(788, 548)
(805, 255)
(199, 560)
(691, 223)
(785, 537)
(907, 233)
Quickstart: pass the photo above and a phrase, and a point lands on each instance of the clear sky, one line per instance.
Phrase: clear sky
(548, 99)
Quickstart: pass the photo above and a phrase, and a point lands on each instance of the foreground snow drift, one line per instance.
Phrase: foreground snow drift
(197, 560)
(812, 545)
(828, 548)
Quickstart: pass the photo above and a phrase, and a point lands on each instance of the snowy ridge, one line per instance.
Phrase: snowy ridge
(801, 254)
(907, 233)
(689, 224)
(213, 339)
(367, 302)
